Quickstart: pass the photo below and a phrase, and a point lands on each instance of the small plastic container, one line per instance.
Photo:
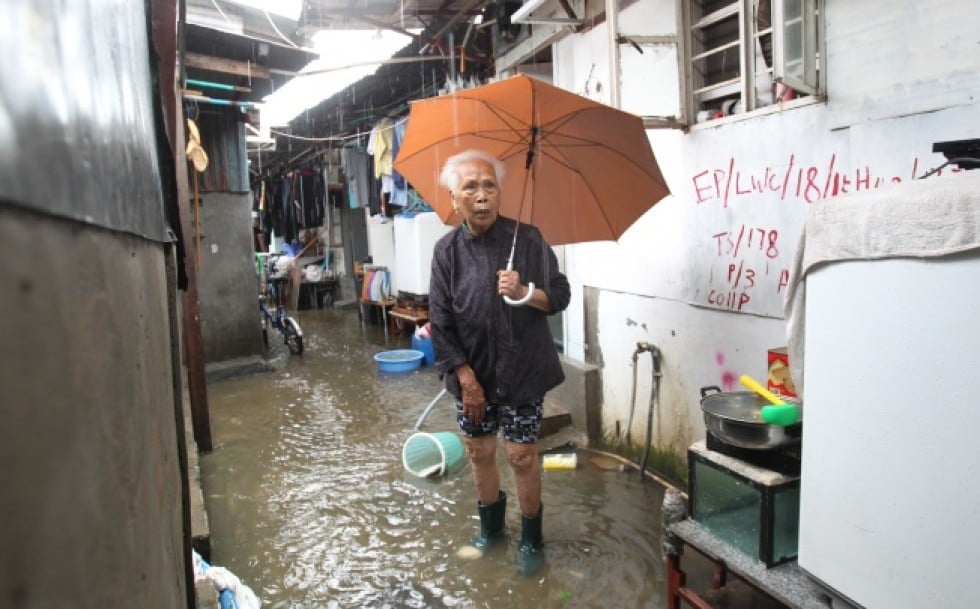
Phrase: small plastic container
(558, 462)
(425, 346)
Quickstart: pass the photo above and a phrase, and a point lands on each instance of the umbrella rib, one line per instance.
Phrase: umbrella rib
(554, 152)
(521, 130)
(583, 143)
(552, 128)
(514, 149)
(517, 126)
(588, 186)
(516, 134)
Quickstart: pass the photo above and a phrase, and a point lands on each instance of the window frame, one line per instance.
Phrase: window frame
(813, 83)
(808, 18)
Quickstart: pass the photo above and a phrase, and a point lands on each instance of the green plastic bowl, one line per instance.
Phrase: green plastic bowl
(432, 454)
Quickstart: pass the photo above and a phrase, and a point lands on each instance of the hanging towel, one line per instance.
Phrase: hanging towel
(376, 286)
(379, 145)
(398, 134)
(920, 219)
(399, 187)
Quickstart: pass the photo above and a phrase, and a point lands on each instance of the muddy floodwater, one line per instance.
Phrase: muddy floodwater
(310, 505)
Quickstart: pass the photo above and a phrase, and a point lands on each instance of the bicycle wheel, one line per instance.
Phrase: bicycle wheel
(264, 323)
(293, 336)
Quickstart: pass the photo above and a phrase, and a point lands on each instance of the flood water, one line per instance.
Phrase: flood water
(310, 506)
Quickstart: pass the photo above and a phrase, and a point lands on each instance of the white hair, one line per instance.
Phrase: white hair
(450, 171)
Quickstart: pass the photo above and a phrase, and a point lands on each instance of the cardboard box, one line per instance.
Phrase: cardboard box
(778, 379)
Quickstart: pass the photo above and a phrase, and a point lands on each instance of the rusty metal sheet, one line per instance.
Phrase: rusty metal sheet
(77, 133)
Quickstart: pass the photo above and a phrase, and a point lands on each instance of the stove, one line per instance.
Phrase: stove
(751, 507)
(783, 459)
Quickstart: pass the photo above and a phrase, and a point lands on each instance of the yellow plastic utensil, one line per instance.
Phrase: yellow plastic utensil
(779, 412)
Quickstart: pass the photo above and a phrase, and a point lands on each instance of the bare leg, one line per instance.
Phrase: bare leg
(524, 461)
(482, 454)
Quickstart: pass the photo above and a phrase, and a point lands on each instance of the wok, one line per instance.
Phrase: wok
(733, 417)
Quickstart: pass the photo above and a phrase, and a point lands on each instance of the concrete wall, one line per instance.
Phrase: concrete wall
(227, 283)
(703, 274)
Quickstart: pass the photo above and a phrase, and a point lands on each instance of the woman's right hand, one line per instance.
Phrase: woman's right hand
(474, 400)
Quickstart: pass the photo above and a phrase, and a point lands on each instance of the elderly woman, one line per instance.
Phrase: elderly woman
(498, 354)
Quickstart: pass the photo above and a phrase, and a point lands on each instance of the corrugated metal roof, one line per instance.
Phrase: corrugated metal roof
(233, 45)
(393, 14)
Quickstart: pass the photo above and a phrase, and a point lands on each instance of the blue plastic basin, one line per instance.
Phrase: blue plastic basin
(399, 360)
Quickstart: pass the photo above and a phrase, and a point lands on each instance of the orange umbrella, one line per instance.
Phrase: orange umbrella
(576, 169)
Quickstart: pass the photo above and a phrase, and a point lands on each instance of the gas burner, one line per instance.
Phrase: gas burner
(784, 459)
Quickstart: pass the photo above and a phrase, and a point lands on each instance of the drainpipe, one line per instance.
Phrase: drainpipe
(612, 20)
(654, 390)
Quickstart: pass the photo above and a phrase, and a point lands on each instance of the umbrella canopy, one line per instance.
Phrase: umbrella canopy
(592, 172)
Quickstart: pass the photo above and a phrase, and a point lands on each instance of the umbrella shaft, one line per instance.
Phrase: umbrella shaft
(530, 147)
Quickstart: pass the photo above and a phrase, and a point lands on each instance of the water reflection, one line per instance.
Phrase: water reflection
(310, 506)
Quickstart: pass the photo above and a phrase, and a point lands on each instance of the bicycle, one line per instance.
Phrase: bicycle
(292, 334)
(288, 328)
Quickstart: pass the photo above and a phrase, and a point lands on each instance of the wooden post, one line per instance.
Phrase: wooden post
(193, 339)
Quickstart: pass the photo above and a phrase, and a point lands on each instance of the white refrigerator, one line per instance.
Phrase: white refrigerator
(890, 481)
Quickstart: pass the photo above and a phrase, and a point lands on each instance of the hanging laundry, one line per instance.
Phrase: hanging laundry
(374, 190)
(312, 197)
(398, 134)
(380, 145)
(399, 191)
(356, 168)
(287, 216)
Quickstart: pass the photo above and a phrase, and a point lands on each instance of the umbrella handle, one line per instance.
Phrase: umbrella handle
(523, 301)
(527, 297)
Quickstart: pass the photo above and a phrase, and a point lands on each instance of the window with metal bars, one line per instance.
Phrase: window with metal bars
(743, 55)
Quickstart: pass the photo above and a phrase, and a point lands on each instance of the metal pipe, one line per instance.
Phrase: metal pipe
(629, 421)
(612, 22)
(464, 11)
(452, 57)
(654, 389)
(428, 408)
(378, 62)
(217, 102)
(627, 462)
(207, 84)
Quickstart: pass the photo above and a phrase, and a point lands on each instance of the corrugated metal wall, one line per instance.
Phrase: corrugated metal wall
(77, 137)
(223, 138)
(92, 487)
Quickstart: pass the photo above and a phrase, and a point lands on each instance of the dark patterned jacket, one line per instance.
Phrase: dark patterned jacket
(510, 349)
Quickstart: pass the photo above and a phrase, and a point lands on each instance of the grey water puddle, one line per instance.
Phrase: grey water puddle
(310, 506)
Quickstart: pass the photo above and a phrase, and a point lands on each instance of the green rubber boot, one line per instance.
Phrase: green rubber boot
(491, 522)
(530, 556)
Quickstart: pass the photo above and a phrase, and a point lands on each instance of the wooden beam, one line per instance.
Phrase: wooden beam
(383, 25)
(463, 12)
(193, 337)
(226, 66)
(406, 8)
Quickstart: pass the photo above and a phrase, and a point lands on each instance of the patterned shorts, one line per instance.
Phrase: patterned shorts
(521, 423)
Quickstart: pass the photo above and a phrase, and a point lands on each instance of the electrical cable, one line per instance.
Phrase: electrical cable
(273, 24)
(215, 3)
(953, 161)
(333, 138)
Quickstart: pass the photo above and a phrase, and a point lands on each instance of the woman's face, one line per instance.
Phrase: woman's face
(478, 196)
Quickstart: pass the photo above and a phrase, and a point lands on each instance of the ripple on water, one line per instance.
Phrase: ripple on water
(310, 506)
